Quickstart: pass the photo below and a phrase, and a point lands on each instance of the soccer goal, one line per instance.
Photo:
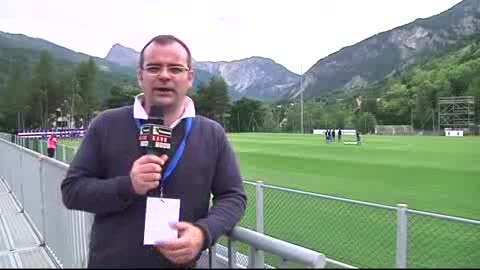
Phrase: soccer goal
(349, 137)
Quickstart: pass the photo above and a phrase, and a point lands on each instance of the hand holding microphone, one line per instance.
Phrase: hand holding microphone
(146, 171)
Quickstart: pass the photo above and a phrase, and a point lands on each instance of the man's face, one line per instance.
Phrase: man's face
(164, 76)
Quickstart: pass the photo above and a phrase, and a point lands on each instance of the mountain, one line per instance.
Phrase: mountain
(119, 65)
(390, 52)
(123, 56)
(8, 40)
(128, 57)
(18, 48)
(254, 77)
(411, 96)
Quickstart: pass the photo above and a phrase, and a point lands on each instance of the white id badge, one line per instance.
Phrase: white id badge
(160, 213)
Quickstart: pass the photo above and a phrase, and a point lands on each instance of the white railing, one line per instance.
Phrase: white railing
(35, 180)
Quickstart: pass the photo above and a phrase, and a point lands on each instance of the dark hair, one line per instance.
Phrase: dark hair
(166, 40)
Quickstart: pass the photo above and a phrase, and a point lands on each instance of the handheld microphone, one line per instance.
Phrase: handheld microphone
(154, 135)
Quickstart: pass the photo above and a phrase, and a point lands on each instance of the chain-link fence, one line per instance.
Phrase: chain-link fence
(352, 232)
(344, 231)
(35, 183)
(442, 242)
(369, 235)
(248, 221)
(249, 218)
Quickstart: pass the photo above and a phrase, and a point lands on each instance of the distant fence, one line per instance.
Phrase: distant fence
(62, 152)
(43, 134)
(394, 130)
(355, 233)
(408, 130)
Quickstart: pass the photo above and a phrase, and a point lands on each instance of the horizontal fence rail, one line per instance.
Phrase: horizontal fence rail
(287, 251)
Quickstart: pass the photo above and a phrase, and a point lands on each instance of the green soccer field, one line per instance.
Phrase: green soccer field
(435, 174)
(439, 174)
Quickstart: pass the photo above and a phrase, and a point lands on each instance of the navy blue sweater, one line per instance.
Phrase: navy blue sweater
(98, 181)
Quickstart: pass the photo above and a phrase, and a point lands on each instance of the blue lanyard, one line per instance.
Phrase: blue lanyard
(179, 153)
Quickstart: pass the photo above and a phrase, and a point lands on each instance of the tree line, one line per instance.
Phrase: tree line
(34, 96)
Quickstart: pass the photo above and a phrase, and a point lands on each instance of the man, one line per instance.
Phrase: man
(359, 138)
(110, 175)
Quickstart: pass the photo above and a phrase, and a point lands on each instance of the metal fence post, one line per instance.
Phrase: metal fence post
(259, 221)
(212, 257)
(259, 206)
(42, 206)
(21, 181)
(64, 155)
(232, 254)
(255, 259)
(41, 146)
(402, 236)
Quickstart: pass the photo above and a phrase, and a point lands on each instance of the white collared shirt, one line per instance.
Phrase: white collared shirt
(139, 111)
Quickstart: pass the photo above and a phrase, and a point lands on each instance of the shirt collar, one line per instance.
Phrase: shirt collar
(139, 111)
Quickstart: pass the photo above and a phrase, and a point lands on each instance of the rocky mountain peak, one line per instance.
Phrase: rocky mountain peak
(389, 52)
(254, 77)
(122, 55)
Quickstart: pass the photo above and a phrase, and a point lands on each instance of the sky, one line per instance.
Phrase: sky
(294, 33)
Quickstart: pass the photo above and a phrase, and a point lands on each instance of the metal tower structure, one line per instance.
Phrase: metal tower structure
(456, 112)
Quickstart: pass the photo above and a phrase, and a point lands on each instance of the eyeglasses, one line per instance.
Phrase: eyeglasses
(171, 69)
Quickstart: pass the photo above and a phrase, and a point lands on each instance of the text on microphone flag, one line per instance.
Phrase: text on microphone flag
(157, 138)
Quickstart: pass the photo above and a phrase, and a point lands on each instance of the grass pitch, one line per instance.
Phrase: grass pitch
(435, 174)
(439, 174)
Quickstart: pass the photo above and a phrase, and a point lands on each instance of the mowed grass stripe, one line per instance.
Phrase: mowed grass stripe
(378, 149)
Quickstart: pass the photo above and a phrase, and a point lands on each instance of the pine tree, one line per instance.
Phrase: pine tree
(86, 76)
(42, 91)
